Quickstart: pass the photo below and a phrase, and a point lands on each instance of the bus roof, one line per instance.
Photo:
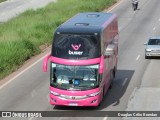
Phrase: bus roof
(88, 22)
(80, 36)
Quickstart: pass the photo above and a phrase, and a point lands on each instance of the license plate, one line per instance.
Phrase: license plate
(73, 104)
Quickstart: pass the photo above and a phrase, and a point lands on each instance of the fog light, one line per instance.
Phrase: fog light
(93, 101)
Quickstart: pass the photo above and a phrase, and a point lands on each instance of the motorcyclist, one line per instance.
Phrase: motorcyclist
(135, 4)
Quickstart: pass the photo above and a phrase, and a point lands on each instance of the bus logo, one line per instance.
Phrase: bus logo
(76, 47)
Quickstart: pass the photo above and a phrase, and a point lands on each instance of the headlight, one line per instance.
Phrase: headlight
(148, 50)
(94, 94)
(54, 93)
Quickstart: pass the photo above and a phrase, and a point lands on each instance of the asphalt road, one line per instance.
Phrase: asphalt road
(137, 83)
(12, 8)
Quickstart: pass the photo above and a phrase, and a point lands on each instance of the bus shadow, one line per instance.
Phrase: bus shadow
(120, 84)
(112, 97)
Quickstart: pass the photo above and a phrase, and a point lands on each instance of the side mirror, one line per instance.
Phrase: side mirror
(109, 50)
(101, 66)
(145, 43)
(45, 63)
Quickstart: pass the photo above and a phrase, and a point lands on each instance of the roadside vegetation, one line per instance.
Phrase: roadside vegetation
(2, 1)
(28, 34)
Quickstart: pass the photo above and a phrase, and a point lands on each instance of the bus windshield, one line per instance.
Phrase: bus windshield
(74, 77)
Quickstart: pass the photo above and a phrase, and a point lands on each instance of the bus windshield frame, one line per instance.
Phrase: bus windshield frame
(69, 77)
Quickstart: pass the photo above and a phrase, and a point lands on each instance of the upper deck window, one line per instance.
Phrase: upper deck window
(75, 46)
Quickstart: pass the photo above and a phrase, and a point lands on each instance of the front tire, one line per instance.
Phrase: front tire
(133, 6)
(103, 94)
(112, 76)
(146, 57)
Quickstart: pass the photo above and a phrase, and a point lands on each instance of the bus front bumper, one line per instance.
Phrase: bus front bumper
(90, 101)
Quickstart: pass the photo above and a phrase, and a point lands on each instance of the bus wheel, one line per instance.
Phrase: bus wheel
(146, 57)
(103, 94)
(112, 77)
(114, 72)
(110, 87)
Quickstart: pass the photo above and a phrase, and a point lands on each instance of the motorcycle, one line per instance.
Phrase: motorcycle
(135, 5)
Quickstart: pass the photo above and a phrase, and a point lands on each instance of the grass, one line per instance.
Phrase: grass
(2, 1)
(21, 37)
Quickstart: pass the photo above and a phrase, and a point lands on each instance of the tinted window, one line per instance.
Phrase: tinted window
(154, 42)
(75, 46)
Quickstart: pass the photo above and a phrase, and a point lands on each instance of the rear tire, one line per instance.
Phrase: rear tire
(104, 92)
(114, 72)
(112, 78)
(146, 57)
(136, 6)
(110, 87)
(133, 6)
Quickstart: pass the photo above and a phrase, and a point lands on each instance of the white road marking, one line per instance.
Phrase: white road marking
(1, 3)
(159, 19)
(9, 81)
(115, 5)
(19, 7)
(154, 28)
(105, 118)
(120, 27)
(33, 93)
(32, 1)
(124, 82)
(137, 57)
(3, 14)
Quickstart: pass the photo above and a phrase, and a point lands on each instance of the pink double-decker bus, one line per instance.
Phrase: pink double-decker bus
(83, 59)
